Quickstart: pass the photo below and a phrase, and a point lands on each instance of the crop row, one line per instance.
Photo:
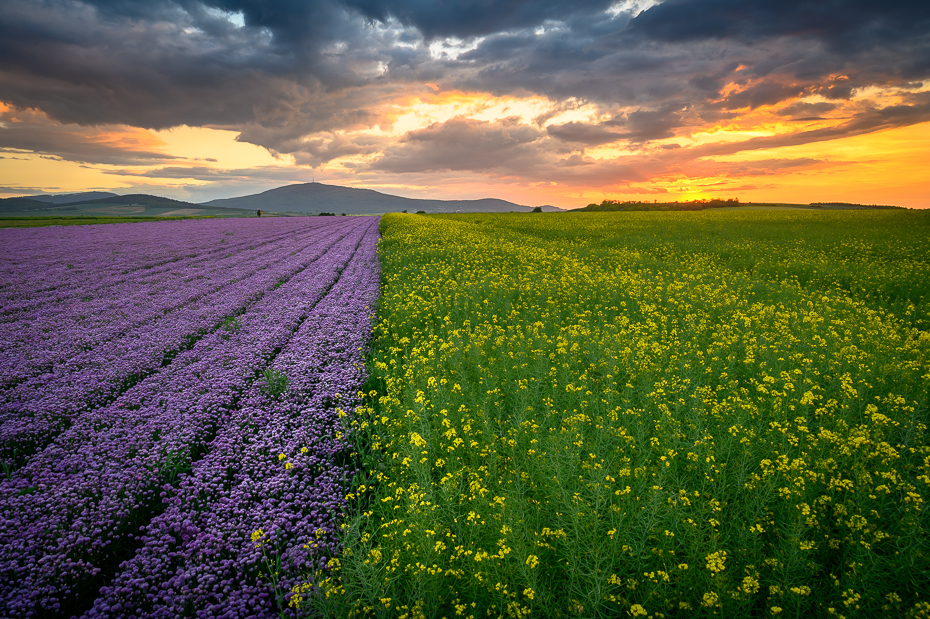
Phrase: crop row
(34, 412)
(39, 333)
(270, 470)
(200, 435)
(44, 266)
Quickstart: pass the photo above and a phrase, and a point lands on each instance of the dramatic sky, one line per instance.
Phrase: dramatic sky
(560, 102)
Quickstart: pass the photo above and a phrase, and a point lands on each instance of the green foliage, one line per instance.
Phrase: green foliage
(273, 383)
(701, 414)
(230, 325)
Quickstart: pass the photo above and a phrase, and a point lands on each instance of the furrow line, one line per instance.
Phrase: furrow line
(199, 557)
(28, 425)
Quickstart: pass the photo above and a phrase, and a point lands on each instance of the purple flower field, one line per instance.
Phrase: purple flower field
(166, 390)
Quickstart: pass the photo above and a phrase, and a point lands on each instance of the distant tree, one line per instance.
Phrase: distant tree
(258, 213)
(421, 212)
(538, 209)
(343, 214)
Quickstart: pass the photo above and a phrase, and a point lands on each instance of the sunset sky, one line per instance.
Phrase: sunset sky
(535, 101)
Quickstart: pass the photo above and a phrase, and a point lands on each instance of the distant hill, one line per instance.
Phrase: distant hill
(308, 198)
(138, 205)
(22, 205)
(65, 198)
(136, 199)
(318, 197)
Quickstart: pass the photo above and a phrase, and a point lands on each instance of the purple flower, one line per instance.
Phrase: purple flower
(145, 462)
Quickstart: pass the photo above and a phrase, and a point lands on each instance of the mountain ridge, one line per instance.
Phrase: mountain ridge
(300, 198)
(137, 205)
(312, 198)
(69, 198)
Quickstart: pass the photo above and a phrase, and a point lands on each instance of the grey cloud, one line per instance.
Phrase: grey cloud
(647, 125)
(580, 133)
(30, 133)
(802, 109)
(874, 120)
(301, 71)
(177, 172)
(669, 51)
(165, 65)
(319, 150)
(463, 144)
(766, 93)
(848, 25)
(464, 18)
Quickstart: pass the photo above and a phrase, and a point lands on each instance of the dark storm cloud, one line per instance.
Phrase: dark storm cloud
(692, 49)
(299, 72)
(638, 126)
(465, 18)
(162, 64)
(847, 25)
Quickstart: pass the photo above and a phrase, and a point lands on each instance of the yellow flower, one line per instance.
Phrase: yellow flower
(750, 585)
(716, 561)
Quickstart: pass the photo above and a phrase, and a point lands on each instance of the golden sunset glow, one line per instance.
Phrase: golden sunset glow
(855, 169)
(217, 148)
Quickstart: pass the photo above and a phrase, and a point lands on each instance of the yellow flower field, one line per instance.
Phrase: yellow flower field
(643, 415)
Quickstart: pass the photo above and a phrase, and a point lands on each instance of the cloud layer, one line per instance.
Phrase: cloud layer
(592, 93)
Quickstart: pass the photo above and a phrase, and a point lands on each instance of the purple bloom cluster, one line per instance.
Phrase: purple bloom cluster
(154, 495)
(83, 296)
(35, 411)
(201, 547)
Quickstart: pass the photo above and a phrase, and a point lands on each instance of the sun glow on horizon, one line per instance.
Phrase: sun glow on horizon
(720, 159)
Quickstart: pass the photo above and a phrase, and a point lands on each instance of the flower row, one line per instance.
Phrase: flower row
(71, 514)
